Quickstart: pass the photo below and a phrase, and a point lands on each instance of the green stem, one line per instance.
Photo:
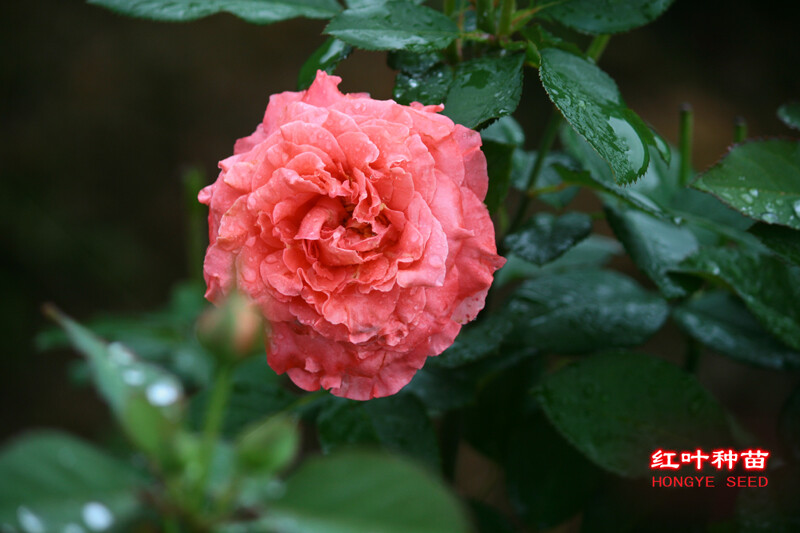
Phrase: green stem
(739, 129)
(693, 353)
(597, 47)
(449, 7)
(509, 7)
(214, 417)
(685, 143)
(484, 10)
(450, 437)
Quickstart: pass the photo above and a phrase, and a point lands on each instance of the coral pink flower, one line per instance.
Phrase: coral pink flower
(358, 228)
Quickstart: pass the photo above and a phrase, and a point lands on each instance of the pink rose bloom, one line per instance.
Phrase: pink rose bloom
(358, 228)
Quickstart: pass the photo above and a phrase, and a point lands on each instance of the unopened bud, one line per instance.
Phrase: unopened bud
(232, 331)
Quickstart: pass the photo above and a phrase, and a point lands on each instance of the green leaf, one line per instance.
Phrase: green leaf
(428, 88)
(760, 179)
(618, 408)
(724, 325)
(256, 392)
(51, 481)
(254, 11)
(484, 89)
(360, 492)
(398, 423)
(769, 287)
(782, 240)
(326, 58)
(584, 311)
(546, 237)
(590, 101)
(475, 342)
(548, 480)
(592, 252)
(522, 165)
(655, 245)
(268, 446)
(790, 114)
(145, 398)
(441, 390)
(498, 163)
(504, 130)
(395, 25)
(606, 16)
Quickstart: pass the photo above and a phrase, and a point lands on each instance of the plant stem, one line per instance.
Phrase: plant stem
(450, 438)
(509, 7)
(484, 10)
(685, 142)
(598, 46)
(449, 7)
(739, 129)
(693, 353)
(213, 424)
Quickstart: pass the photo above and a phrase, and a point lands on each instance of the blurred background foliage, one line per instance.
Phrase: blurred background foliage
(102, 115)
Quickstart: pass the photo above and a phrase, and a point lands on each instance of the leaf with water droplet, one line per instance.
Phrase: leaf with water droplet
(484, 89)
(771, 168)
(651, 404)
(545, 237)
(723, 324)
(769, 287)
(585, 311)
(790, 114)
(590, 101)
(429, 87)
(395, 25)
(254, 11)
(61, 483)
(605, 16)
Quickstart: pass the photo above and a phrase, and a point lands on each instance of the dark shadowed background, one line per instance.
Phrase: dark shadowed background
(100, 115)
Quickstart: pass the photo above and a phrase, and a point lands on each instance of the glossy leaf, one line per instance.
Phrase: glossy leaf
(606, 16)
(723, 324)
(484, 89)
(52, 481)
(395, 25)
(475, 342)
(769, 287)
(255, 11)
(618, 408)
(655, 245)
(397, 423)
(522, 165)
(504, 130)
(548, 480)
(584, 311)
(790, 114)
(590, 101)
(428, 88)
(360, 492)
(546, 237)
(760, 179)
(592, 252)
(326, 58)
(781, 240)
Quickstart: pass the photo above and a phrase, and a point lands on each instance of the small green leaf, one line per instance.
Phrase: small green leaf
(590, 101)
(398, 423)
(360, 492)
(606, 16)
(592, 252)
(54, 482)
(760, 179)
(790, 114)
(782, 240)
(498, 163)
(724, 325)
(546, 237)
(428, 88)
(618, 408)
(395, 25)
(769, 287)
(548, 480)
(254, 11)
(484, 89)
(326, 58)
(584, 311)
(655, 245)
